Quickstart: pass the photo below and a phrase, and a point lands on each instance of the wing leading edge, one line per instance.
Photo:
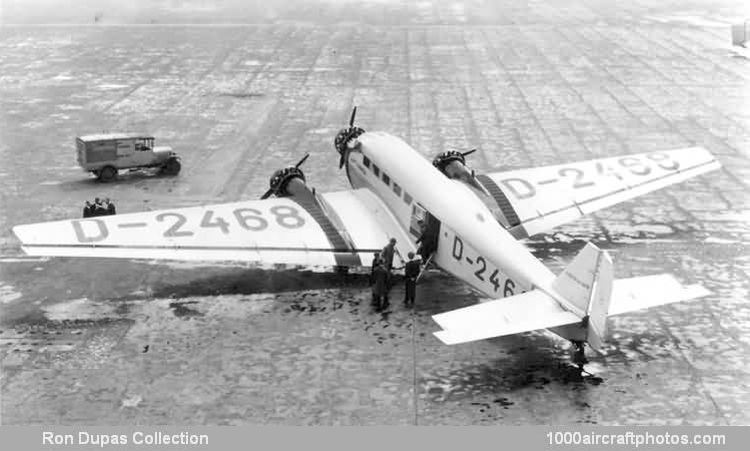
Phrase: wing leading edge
(538, 199)
(276, 231)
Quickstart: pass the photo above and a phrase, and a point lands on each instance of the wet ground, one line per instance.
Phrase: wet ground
(134, 342)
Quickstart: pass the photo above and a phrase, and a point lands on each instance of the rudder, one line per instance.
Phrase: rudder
(586, 283)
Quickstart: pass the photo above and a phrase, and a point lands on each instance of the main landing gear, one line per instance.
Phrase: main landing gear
(579, 355)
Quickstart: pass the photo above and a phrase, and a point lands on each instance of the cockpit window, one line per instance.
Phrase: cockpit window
(396, 189)
(366, 162)
(386, 179)
(376, 170)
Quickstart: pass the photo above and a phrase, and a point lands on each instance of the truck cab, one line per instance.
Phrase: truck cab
(105, 154)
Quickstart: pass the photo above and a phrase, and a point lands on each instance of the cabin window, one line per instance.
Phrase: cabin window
(386, 179)
(407, 198)
(366, 162)
(396, 189)
(376, 170)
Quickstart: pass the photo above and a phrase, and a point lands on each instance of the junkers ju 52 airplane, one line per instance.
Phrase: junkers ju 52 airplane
(470, 225)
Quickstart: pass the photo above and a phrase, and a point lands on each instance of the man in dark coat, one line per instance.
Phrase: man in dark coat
(375, 263)
(98, 208)
(422, 237)
(387, 254)
(428, 240)
(110, 206)
(411, 272)
(87, 209)
(380, 287)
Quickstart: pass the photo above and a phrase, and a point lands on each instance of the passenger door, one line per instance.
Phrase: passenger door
(418, 213)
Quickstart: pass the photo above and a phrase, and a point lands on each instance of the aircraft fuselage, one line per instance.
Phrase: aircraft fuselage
(473, 245)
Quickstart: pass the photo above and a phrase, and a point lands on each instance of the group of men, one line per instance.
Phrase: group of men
(98, 208)
(381, 277)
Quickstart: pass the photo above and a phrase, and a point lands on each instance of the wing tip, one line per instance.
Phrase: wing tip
(449, 339)
(695, 291)
(441, 335)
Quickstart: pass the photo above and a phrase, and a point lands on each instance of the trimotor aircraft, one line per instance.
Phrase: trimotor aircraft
(466, 224)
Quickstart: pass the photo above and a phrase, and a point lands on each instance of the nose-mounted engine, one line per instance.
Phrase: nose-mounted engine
(345, 138)
(289, 181)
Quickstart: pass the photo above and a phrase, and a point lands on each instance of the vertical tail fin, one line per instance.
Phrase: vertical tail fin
(587, 284)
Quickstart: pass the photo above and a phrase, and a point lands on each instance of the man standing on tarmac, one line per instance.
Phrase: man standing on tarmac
(375, 263)
(387, 254)
(411, 272)
(380, 286)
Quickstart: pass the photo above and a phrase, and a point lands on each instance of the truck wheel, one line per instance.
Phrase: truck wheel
(107, 174)
(172, 167)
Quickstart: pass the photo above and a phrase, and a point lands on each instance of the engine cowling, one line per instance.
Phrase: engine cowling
(288, 182)
(453, 164)
(343, 139)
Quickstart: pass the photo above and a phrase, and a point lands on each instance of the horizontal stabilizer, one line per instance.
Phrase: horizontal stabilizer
(520, 313)
(650, 291)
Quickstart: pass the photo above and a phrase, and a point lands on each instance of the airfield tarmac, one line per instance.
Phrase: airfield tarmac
(96, 341)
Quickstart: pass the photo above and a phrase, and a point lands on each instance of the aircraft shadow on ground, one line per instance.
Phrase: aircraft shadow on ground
(529, 361)
(255, 281)
(570, 248)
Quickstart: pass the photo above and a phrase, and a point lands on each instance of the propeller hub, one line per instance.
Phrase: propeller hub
(345, 136)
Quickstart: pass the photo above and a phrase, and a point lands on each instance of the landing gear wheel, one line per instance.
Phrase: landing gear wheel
(579, 355)
(172, 167)
(107, 174)
(342, 270)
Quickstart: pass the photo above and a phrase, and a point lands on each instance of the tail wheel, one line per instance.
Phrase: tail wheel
(107, 174)
(172, 167)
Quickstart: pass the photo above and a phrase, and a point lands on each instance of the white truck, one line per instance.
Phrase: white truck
(105, 154)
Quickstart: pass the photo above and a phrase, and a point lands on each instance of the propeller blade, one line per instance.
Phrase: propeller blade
(302, 160)
(351, 119)
(267, 194)
(469, 152)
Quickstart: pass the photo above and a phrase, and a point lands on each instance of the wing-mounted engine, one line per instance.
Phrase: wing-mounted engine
(346, 138)
(289, 182)
(453, 164)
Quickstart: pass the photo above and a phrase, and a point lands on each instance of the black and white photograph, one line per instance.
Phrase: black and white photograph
(375, 212)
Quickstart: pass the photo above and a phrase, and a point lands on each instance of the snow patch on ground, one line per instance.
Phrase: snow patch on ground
(716, 240)
(8, 294)
(79, 309)
(84, 309)
(110, 87)
(691, 19)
